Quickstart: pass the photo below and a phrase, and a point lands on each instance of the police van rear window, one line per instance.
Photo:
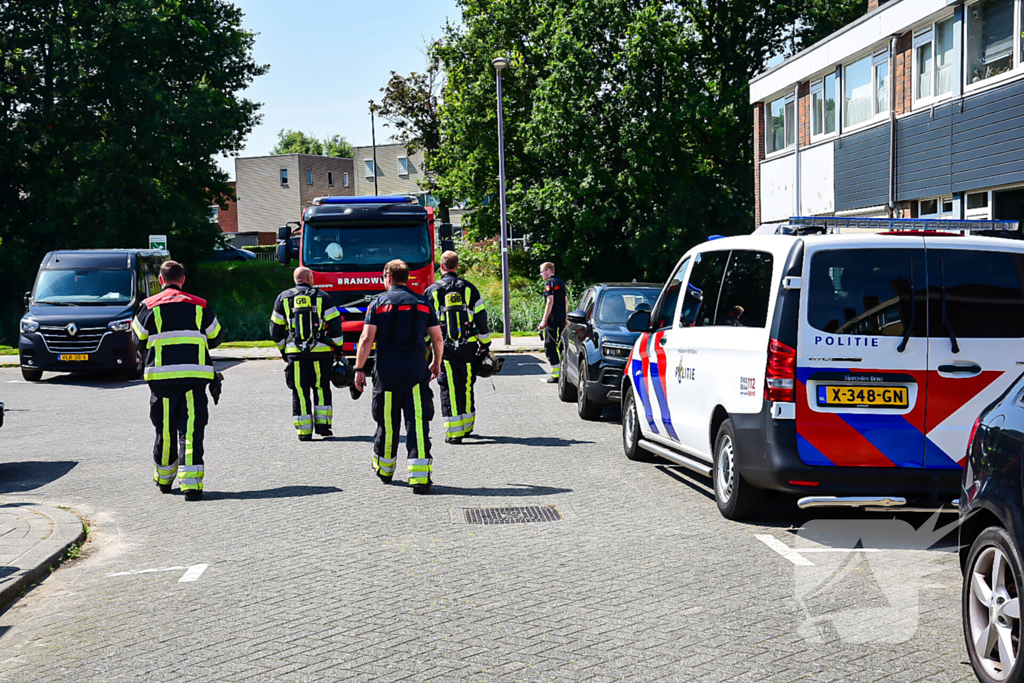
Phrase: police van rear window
(867, 292)
(983, 293)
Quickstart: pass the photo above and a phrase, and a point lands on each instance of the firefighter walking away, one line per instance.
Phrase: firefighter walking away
(399, 321)
(177, 331)
(307, 329)
(463, 319)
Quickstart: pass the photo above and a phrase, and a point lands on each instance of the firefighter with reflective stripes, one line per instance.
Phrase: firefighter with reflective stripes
(554, 319)
(307, 329)
(400, 321)
(463, 318)
(177, 331)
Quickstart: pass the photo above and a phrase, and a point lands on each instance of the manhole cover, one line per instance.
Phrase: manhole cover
(513, 515)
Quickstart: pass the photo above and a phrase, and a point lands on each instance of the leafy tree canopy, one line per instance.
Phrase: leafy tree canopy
(113, 113)
(297, 142)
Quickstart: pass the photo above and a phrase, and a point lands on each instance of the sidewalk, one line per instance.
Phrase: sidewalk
(32, 539)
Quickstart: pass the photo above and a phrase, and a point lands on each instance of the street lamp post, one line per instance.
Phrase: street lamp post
(373, 133)
(499, 64)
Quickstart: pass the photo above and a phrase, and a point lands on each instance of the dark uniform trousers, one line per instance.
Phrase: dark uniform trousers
(458, 405)
(310, 382)
(416, 404)
(180, 414)
(553, 347)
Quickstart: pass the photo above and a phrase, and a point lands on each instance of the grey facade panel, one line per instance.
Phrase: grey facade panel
(923, 156)
(862, 169)
(988, 139)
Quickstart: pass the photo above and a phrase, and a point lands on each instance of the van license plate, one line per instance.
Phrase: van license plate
(830, 395)
(73, 356)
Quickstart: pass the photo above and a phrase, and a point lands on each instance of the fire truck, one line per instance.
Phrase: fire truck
(346, 241)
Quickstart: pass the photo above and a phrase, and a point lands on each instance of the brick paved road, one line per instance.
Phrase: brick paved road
(319, 573)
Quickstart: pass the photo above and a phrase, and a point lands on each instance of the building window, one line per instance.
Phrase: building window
(933, 60)
(403, 166)
(989, 39)
(215, 214)
(309, 177)
(344, 179)
(781, 116)
(284, 176)
(330, 179)
(370, 170)
(977, 206)
(823, 106)
(880, 64)
(866, 89)
(935, 208)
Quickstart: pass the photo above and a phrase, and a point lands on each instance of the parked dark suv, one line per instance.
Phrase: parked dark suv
(80, 311)
(992, 521)
(596, 344)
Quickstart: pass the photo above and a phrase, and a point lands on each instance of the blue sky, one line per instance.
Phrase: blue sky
(328, 58)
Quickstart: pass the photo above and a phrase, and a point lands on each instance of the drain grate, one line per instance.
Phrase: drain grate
(513, 515)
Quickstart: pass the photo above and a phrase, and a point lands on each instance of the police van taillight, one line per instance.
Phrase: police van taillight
(780, 377)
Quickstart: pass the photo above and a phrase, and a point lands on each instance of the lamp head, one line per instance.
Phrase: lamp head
(500, 63)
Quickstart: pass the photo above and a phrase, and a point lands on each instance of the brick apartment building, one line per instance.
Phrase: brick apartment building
(273, 190)
(914, 110)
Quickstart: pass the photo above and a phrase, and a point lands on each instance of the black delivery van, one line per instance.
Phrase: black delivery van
(80, 311)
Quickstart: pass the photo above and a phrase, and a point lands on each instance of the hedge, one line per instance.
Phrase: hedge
(241, 293)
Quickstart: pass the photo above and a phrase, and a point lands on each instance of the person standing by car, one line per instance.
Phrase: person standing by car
(399, 320)
(464, 329)
(307, 329)
(177, 330)
(553, 321)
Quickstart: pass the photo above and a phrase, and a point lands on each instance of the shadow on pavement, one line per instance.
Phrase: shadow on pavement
(519, 364)
(509, 491)
(16, 477)
(364, 438)
(542, 441)
(109, 379)
(698, 483)
(281, 492)
(4, 630)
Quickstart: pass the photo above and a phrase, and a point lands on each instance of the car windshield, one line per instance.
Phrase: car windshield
(618, 304)
(359, 245)
(85, 287)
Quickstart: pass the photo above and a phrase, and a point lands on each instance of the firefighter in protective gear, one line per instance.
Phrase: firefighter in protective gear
(177, 330)
(554, 319)
(307, 329)
(400, 321)
(463, 318)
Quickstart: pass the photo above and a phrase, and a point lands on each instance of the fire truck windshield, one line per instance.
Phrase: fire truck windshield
(355, 245)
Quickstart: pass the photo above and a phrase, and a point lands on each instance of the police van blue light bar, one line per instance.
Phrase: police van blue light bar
(832, 224)
(394, 199)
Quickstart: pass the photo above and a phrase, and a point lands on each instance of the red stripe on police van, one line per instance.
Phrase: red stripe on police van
(659, 351)
(836, 440)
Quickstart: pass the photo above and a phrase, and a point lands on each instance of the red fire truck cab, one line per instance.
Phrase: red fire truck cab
(346, 241)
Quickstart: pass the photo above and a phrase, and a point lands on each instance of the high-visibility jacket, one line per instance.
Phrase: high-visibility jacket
(281, 323)
(478, 331)
(177, 331)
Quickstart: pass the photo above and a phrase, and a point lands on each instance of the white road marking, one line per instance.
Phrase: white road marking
(193, 573)
(795, 555)
(542, 379)
(147, 571)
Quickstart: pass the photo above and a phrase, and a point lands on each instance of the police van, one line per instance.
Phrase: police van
(843, 361)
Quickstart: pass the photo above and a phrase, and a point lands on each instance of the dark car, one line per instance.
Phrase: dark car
(229, 253)
(80, 311)
(596, 344)
(992, 521)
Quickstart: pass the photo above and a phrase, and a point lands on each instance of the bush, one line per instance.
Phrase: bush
(241, 293)
(262, 248)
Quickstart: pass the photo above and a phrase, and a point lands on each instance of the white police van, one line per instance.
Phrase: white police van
(843, 361)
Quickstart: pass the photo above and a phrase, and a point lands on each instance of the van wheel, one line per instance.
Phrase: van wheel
(136, 371)
(587, 409)
(990, 604)
(631, 433)
(31, 374)
(735, 497)
(566, 391)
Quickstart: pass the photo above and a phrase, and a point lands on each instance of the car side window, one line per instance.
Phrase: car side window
(745, 290)
(983, 293)
(701, 300)
(666, 307)
(587, 302)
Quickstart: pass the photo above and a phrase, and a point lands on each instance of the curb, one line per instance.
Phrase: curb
(67, 530)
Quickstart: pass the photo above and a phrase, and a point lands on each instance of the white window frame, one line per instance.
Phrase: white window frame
(939, 212)
(818, 87)
(1015, 51)
(788, 98)
(984, 213)
(403, 169)
(929, 34)
(344, 179)
(370, 168)
(330, 179)
(878, 57)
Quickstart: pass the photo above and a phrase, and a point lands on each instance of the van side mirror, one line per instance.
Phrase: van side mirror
(640, 321)
(447, 245)
(446, 231)
(692, 302)
(577, 318)
(28, 298)
(283, 233)
(283, 253)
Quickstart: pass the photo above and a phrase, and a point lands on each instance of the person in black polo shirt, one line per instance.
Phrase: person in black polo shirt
(399, 321)
(554, 319)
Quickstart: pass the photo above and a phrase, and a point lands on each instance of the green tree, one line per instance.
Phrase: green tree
(297, 142)
(113, 115)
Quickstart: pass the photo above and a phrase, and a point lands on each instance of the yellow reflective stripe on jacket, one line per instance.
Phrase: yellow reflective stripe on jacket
(170, 341)
(158, 319)
(179, 372)
(331, 314)
(213, 330)
(139, 330)
(277, 318)
(319, 348)
(479, 306)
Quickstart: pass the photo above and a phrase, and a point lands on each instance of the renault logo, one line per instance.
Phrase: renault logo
(72, 329)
